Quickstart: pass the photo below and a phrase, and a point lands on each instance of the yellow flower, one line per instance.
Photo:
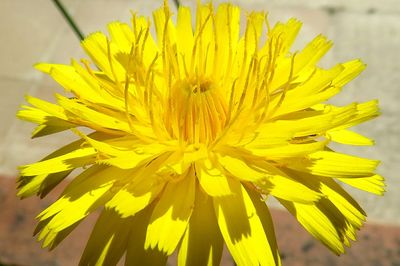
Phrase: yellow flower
(191, 132)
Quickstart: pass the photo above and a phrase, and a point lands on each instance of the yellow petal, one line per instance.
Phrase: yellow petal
(180, 160)
(162, 22)
(84, 85)
(108, 240)
(334, 164)
(315, 90)
(287, 32)
(227, 20)
(88, 191)
(269, 178)
(68, 78)
(50, 108)
(333, 221)
(316, 219)
(212, 180)
(31, 114)
(128, 159)
(136, 253)
(246, 227)
(290, 150)
(50, 117)
(50, 238)
(266, 221)
(185, 32)
(74, 159)
(122, 35)
(40, 184)
(348, 137)
(279, 40)
(92, 118)
(170, 216)
(300, 124)
(99, 90)
(49, 128)
(312, 53)
(351, 70)
(284, 187)
(103, 53)
(364, 112)
(341, 213)
(29, 185)
(254, 28)
(111, 146)
(227, 27)
(346, 205)
(141, 191)
(269, 134)
(83, 195)
(202, 243)
(374, 184)
(241, 169)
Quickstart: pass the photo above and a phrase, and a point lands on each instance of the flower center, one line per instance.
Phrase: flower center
(198, 111)
(200, 87)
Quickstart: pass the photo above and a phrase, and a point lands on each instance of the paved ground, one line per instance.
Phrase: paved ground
(33, 31)
(378, 245)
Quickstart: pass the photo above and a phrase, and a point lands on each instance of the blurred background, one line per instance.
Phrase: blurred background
(34, 31)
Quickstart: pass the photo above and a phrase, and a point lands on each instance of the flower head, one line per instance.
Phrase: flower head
(191, 132)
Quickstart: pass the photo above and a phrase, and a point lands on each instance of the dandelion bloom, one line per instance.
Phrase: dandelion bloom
(191, 131)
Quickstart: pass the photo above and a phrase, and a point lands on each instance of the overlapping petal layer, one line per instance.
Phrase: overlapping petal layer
(192, 131)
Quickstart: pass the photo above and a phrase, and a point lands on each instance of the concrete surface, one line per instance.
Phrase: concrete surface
(34, 31)
(378, 245)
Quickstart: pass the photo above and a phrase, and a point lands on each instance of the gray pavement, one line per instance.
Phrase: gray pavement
(33, 31)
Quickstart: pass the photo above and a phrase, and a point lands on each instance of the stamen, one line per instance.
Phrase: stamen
(274, 56)
(146, 36)
(229, 64)
(231, 99)
(255, 37)
(134, 25)
(216, 58)
(110, 61)
(206, 58)
(138, 72)
(151, 111)
(286, 88)
(184, 65)
(110, 88)
(197, 40)
(164, 48)
(126, 91)
(126, 95)
(246, 84)
(267, 23)
(288, 82)
(149, 72)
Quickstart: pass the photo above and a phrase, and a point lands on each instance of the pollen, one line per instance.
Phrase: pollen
(199, 111)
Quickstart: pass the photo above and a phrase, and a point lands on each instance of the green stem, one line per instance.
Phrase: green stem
(69, 19)
(177, 3)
